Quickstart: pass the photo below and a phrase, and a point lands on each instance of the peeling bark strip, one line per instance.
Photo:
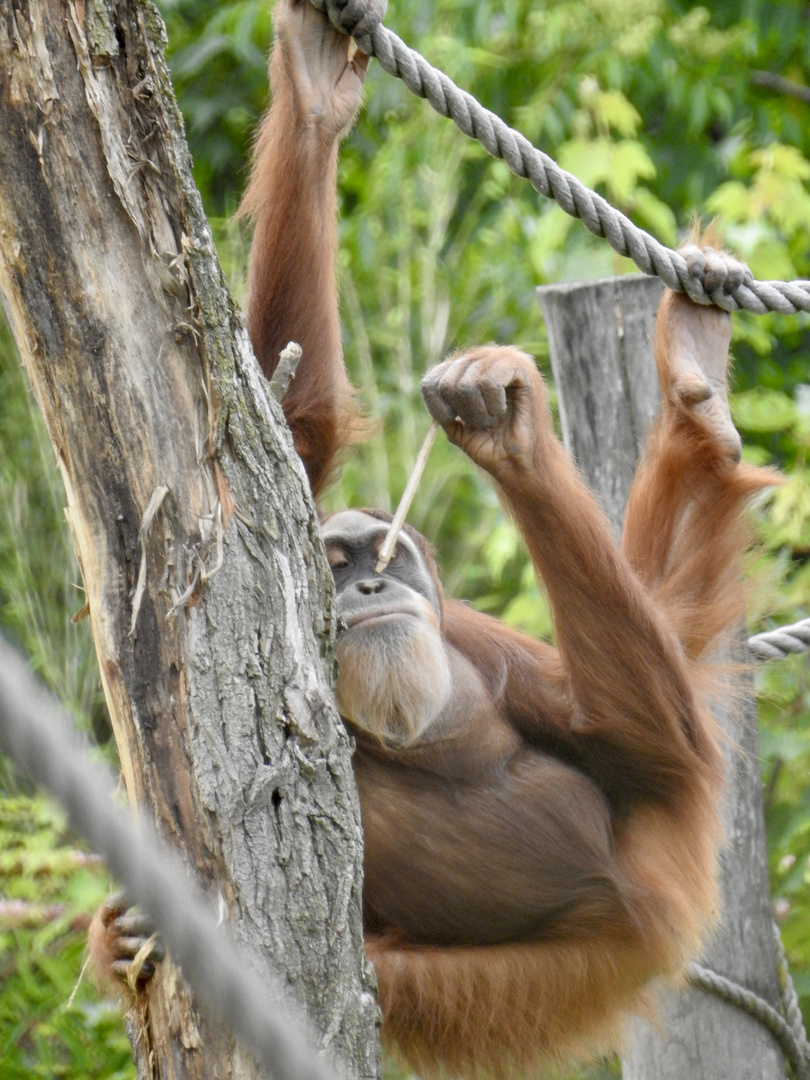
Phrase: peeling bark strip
(205, 597)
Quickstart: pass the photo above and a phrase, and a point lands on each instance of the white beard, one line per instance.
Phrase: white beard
(394, 678)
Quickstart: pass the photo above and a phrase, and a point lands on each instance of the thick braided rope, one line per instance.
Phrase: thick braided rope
(781, 642)
(794, 1049)
(547, 178)
(35, 733)
(790, 1003)
(790, 999)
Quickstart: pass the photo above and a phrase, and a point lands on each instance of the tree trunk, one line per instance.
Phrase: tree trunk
(600, 337)
(192, 520)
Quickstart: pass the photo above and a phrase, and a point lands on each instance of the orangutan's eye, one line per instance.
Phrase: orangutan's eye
(338, 560)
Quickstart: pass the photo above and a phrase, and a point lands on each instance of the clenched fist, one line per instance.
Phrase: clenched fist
(491, 402)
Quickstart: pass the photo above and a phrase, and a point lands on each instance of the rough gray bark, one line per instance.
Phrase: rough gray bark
(600, 337)
(192, 520)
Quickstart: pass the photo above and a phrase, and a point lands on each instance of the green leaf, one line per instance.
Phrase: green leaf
(590, 160)
(612, 109)
(790, 511)
(770, 260)
(763, 410)
(730, 201)
(529, 612)
(655, 216)
(629, 162)
(786, 161)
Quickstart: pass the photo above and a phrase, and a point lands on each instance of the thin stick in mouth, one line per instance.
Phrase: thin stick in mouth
(391, 537)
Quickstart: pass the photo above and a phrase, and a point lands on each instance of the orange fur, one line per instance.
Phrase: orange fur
(685, 531)
(291, 281)
(507, 1010)
(545, 852)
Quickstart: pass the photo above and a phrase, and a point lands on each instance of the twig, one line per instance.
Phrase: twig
(284, 374)
(139, 959)
(771, 81)
(391, 537)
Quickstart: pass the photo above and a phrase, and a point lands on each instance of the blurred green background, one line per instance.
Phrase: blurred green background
(669, 109)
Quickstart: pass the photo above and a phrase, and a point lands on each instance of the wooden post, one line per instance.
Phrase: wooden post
(600, 338)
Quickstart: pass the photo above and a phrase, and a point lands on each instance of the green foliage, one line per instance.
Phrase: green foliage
(218, 55)
(48, 890)
(48, 887)
(40, 583)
